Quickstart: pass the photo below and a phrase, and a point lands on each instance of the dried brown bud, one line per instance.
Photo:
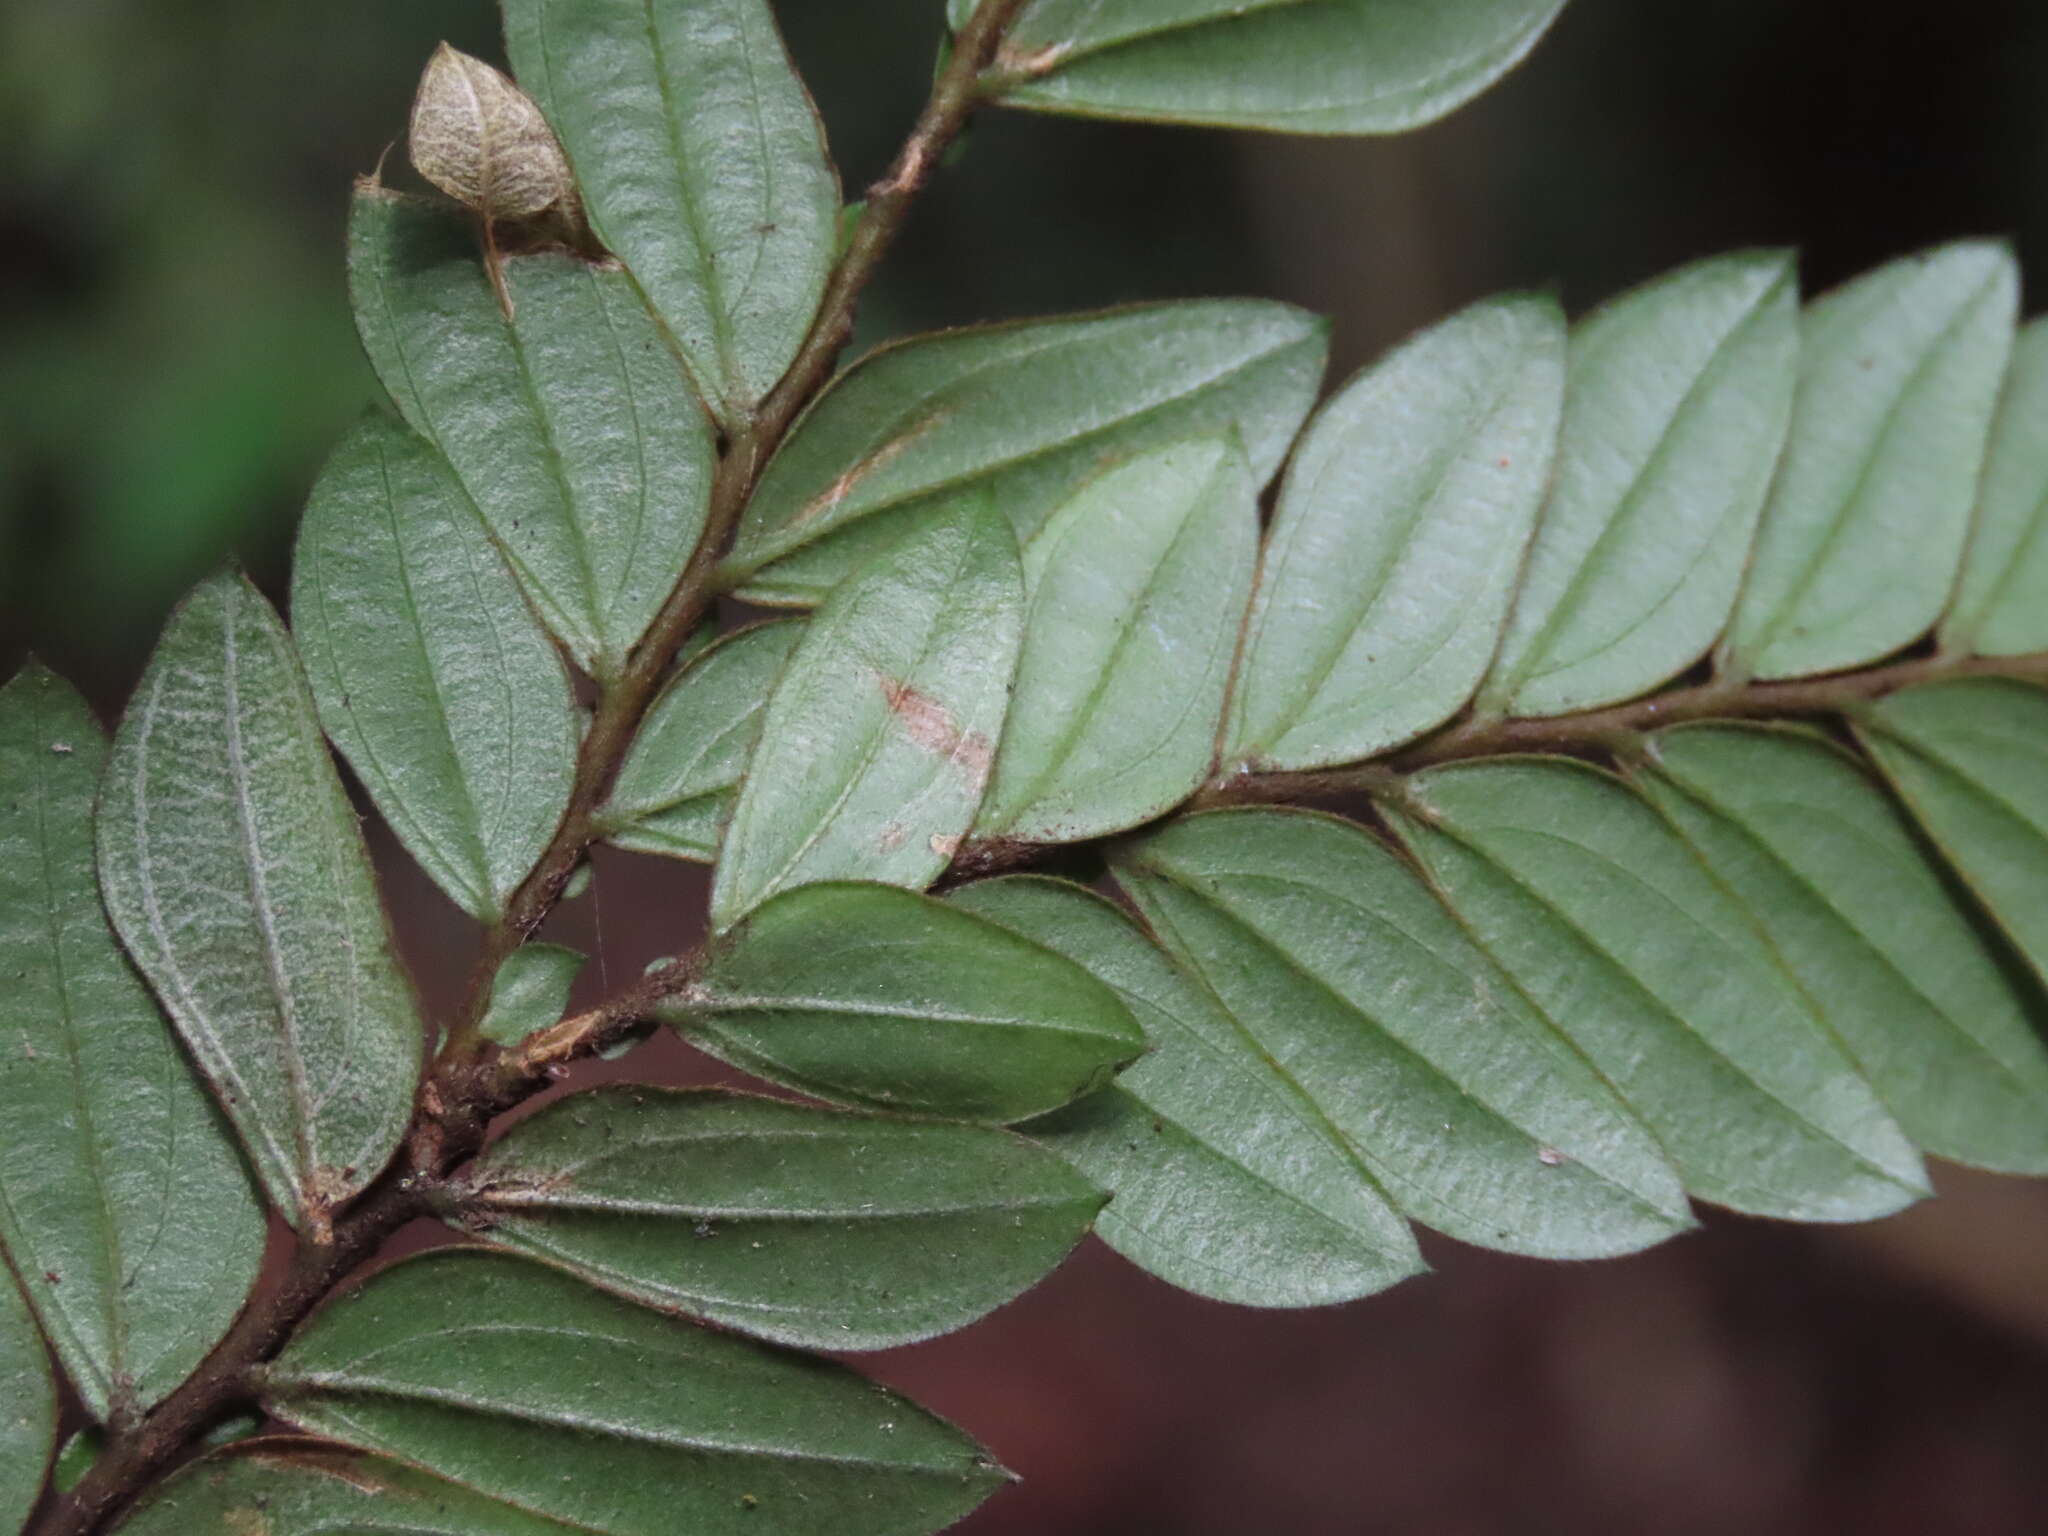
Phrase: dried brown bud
(480, 139)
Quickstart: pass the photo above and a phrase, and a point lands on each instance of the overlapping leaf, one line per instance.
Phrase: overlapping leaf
(28, 1408)
(2001, 608)
(530, 991)
(123, 1202)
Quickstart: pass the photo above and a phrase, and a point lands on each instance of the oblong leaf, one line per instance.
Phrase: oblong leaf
(234, 871)
(513, 1379)
(1296, 66)
(1472, 1114)
(702, 166)
(570, 424)
(1029, 413)
(804, 1226)
(1967, 759)
(1882, 947)
(2001, 606)
(1679, 400)
(428, 669)
(1138, 587)
(28, 1408)
(1400, 529)
(1228, 1180)
(1859, 546)
(123, 1202)
(877, 742)
(677, 785)
(530, 991)
(882, 998)
(1610, 925)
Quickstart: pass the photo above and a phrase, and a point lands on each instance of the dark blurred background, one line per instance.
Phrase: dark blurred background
(176, 354)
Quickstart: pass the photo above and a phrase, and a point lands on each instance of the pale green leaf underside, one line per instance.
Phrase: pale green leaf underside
(429, 671)
(1801, 834)
(1227, 1180)
(702, 166)
(235, 873)
(1137, 591)
(124, 1204)
(28, 1408)
(677, 784)
(570, 425)
(877, 743)
(1472, 1114)
(1400, 530)
(2001, 607)
(1029, 413)
(505, 1375)
(808, 1227)
(1607, 922)
(1298, 66)
(530, 991)
(881, 998)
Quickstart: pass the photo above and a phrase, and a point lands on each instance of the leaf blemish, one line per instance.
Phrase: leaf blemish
(841, 488)
(932, 726)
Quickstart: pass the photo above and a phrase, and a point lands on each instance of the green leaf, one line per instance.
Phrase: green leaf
(804, 1226)
(1679, 400)
(28, 1409)
(1295, 66)
(531, 991)
(289, 1486)
(1859, 547)
(570, 425)
(878, 740)
(77, 1457)
(2001, 608)
(235, 873)
(1610, 925)
(702, 166)
(1804, 838)
(1401, 527)
(1138, 587)
(1471, 1113)
(882, 998)
(1029, 413)
(1228, 1181)
(123, 1202)
(1967, 759)
(679, 779)
(513, 1379)
(428, 669)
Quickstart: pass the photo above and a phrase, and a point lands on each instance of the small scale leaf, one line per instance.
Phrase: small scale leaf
(570, 425)
(1400, 530)
(882, 998)
(1295, 66)
(679, 779)
(1679, 399)
(804, 1226)
(1967, 759)
(530, 991)
(2001, 608)
(702, 165)
(507, 1376)
(429, 671)
(878, 740)
(1609, 924)
(1898, 380)
(478, 137)
(28, 1408)
(1471, 1113)
(1029, 413)
(1228, 1182)
(76, 1459)
(1138, 587)
(234, 871)
(123, 1201)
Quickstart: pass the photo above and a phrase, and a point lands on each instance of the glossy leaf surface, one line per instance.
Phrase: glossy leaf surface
(1400, 530)
(1467, 1108)
(234, 871)
(810, 1227)
(428, 669)
(1611, 926)
(506, 1375)
(879, 997)
(1228, 1181)
(28, 1408)
(123, 1202)
(2001, 608)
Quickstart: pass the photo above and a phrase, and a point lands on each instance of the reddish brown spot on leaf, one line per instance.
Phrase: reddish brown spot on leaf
(931, 725)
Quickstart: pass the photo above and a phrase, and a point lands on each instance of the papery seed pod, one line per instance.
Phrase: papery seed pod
(484, 142)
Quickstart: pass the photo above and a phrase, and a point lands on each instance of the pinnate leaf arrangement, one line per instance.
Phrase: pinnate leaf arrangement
(1571, 772)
